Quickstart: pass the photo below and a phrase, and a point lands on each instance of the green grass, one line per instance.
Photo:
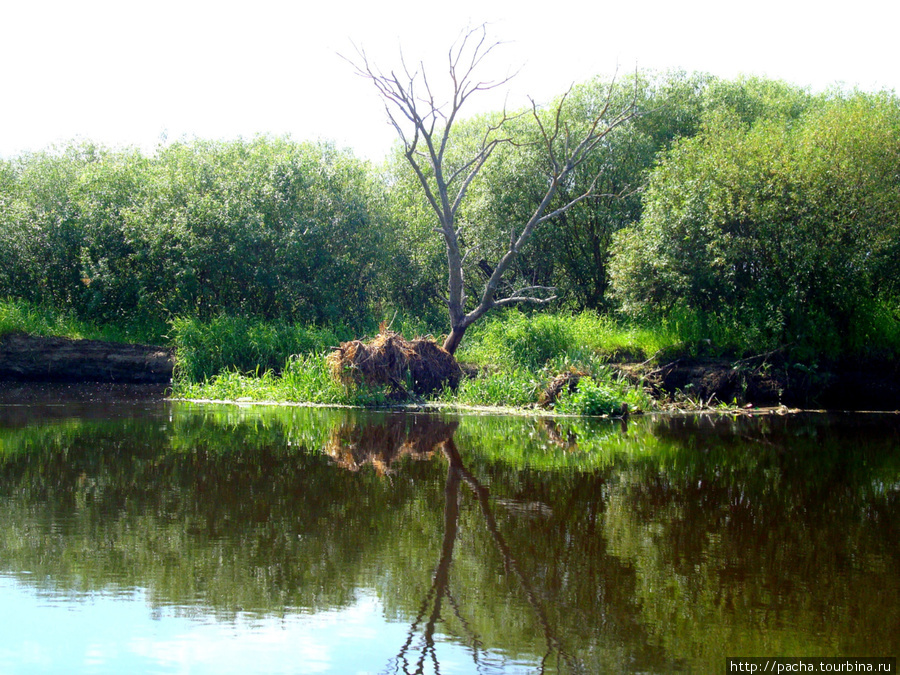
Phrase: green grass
(249, 346)
(512, 388)
(517, 357)
(514, 339)
(603, 396)
(18, 315)
(305, 378)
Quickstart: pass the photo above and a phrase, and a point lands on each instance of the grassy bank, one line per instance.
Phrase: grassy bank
(513, 357)
(18, 315)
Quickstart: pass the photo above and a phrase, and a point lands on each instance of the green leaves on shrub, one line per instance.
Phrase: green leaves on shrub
(784, 226)
(591, 398)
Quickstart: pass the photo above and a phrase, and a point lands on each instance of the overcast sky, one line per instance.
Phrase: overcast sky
(131, 72)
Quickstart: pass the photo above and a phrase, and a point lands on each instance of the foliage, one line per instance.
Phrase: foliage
(205, 349)
(516, 356)
(505, 388)
(785, 228)
(745, 214)
(557, 340)
(610, 396)
(26, 317)
(590, 398)
(305, 378)
(268, 228)
(571, 252)
(16, 315)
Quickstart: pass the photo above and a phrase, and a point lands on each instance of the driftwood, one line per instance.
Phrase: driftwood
(564, 381)
(55, 359)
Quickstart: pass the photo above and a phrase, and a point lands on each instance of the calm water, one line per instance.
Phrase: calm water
(152, 537)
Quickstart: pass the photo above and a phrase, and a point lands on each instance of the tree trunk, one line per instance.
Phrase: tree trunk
(452, 342)
(55, 359)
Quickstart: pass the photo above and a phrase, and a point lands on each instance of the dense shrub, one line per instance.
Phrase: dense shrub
(787, 228)
(266, 228)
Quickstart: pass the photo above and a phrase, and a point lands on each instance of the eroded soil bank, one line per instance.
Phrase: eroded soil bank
(26, 357)
(851, 384)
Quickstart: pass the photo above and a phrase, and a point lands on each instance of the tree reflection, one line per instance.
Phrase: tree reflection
(569, 546)
(381, 445)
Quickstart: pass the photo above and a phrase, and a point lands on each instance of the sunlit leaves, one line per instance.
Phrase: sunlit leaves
(268, 228)
(788, 216)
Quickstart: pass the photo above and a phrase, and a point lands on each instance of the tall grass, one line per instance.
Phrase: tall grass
(305, 378)
(516, 355)
(206, 349)
(18, 315)
(514, 339)
(513, 388)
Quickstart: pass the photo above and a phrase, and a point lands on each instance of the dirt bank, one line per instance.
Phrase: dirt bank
(54, 359)
(850, 384)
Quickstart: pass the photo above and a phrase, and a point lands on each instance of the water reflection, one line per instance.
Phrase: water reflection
(464, 544)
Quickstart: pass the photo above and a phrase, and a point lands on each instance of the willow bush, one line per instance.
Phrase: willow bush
(787, 229)
(268, 228)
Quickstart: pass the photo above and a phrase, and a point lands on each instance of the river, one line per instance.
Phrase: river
(146, 536)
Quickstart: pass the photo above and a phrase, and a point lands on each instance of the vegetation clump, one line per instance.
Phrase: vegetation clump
(389, 360)
(592, 398)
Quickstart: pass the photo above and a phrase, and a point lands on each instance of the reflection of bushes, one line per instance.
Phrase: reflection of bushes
(685, 535)
(235, 517)
(756, 549)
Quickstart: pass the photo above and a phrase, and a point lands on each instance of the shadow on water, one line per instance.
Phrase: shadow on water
(532, 545)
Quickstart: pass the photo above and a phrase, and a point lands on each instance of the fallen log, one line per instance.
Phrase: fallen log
(56, 359)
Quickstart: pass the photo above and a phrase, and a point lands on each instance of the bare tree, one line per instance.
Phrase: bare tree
(425, 125)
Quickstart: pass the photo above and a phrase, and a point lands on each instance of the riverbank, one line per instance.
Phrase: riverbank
(683, 385)
(672, 379)
(771, 380)
(25, 357)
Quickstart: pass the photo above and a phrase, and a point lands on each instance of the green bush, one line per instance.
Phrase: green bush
(268, 228)
(590, 398)
(514, 339)
(779, 231)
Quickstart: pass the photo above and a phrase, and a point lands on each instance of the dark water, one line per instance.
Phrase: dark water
(152, 537)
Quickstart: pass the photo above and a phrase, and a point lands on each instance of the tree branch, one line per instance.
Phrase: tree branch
(566, 148)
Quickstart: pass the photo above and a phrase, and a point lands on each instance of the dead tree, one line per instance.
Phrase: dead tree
(425, 125)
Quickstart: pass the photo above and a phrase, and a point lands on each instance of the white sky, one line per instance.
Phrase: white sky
(126, 72)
